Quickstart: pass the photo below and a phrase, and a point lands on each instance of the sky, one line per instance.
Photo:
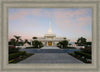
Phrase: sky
(71, 23)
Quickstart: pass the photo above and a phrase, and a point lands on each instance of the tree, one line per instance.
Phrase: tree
(26, 41)
(81, 41)
(89, 43)
(12, 42)
(21, 42)
(37, 44)
(63, 44)
(69, 44)
(65, 38)
(17, 39)
(34, 37)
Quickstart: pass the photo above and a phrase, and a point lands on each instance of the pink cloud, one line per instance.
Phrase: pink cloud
(20, 15)
(63, 20)
(66, 23)
(85, 19)
(70, 13)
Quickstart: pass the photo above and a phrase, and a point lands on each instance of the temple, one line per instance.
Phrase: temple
(50, 39)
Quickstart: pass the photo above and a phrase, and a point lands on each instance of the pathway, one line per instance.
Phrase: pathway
(50, 47)
(49, 50)
(50, 58)
(50, 55)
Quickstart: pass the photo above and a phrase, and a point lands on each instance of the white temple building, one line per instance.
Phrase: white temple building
(50, 39)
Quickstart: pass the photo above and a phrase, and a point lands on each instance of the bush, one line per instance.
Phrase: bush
(15, 55)
(87, 49)
(37, 44)
(22, 53)
(83, 54)
(11, 46)
(62, 44)
(29, 47)
(13, 49)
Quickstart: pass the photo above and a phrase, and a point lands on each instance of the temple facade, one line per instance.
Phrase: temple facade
(50, 39)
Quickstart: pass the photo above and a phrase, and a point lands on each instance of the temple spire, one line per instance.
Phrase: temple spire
(49, 30)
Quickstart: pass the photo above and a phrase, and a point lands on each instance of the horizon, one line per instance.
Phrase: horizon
(71, 23)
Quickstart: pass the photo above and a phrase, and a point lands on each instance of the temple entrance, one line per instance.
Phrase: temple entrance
(49, 43)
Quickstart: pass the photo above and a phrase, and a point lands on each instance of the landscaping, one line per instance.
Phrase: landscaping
(15, 55)
(64, 45)
(32, 48)
(37, 44)
(69, 48)
(83, 55)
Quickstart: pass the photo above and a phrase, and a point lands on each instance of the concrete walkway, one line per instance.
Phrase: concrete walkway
(50, 58)
(50, 47)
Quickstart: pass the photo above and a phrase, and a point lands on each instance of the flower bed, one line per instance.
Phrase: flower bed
(86, 58)
(16, 57)
(86, 55)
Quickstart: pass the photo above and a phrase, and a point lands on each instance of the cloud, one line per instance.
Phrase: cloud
(21, 14)
(72, 19)
(69, 21)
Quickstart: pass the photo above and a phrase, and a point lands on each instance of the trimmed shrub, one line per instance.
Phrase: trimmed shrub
(12, 56)
(11, 46)
(37, 44)
(87, 50)
(12, 49)
(15, 55)
(83, 54)
(22, 53)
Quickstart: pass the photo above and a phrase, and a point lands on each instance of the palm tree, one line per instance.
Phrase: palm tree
(17, 39)
(21, 42)
(12, 42)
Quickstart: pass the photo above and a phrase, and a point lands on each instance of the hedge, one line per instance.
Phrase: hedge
(13, 50)
(15, 55)
(83, 54)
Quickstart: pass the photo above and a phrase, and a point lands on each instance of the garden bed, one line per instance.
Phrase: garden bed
(68, 48)
(32, 48)
(86, 58)
(19, 56)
